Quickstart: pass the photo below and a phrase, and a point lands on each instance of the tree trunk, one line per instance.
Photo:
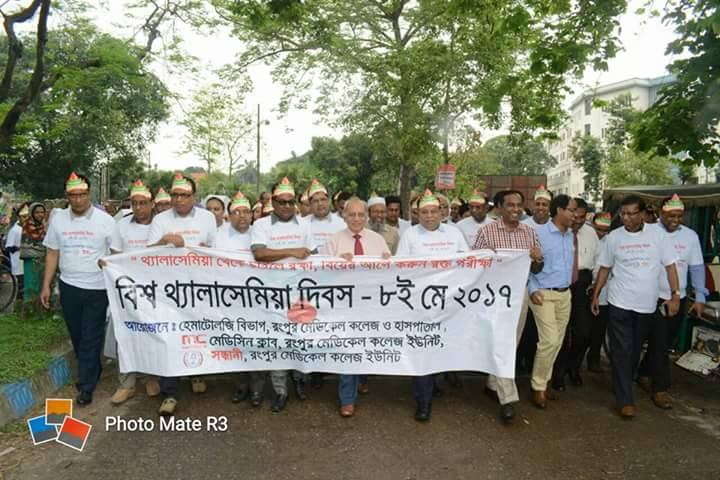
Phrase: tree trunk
(7, 128)
(406, 172)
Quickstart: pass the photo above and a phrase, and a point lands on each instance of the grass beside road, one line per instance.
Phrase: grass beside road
(27, 341)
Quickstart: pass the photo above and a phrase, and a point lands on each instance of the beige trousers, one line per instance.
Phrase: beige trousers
(551, 319)
(506, 388)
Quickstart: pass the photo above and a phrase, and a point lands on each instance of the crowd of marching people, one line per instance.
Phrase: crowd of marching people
(588, 282)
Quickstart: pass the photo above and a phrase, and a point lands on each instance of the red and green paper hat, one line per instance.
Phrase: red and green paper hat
(139, 189)
(239, 201)
(674, 204)
(316, 187)
(542, 192)
(76, 184)
(284, 188)
(162, 196)
(603, 219)
(180, 184)
(428, 199)
(477, 198)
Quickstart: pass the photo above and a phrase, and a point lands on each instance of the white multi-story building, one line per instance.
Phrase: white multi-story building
(585, 118)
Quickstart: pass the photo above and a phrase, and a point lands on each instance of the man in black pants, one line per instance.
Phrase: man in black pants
(577, 338)
(639, 255)
(77, 238)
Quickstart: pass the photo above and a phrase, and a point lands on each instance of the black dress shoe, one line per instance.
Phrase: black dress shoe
(316, 380)
(84, 398)
(423, 411)
(279, 404)
(558, 383)
(240, 395)
(507, 413)
(300, 389)
(575, 378)
(256, 399)
(491, 393)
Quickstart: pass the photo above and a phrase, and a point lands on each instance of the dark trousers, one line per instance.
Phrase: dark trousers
(85, 312)
(169, 386)
(423, 388)
(20, 279)
(577, 336)
(598, 328)
(666, 328)
(627, 331)
(525, 357)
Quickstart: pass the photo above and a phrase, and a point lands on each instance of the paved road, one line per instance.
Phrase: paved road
(577, 437)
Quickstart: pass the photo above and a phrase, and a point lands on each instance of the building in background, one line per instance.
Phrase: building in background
(585, 118)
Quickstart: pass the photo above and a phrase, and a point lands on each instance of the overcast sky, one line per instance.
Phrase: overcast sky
(644, 41)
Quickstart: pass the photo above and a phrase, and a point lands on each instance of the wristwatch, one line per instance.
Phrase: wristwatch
(676, 292)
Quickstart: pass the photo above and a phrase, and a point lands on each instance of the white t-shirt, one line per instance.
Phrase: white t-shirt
(469, 228)
(81, 241)
(271, 232)
(196, 227)
(403, 225)
(323, 229)
(130, 235)
(417, 241)
(637, 260)
(686, 244)
(14, 239)
(588, 247)
(230, 239)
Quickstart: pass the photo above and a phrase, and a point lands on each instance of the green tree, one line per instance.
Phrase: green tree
(100, 115)
(217, 129)
(519, 155)
(346, 164)
(686, 116)
(622, 115)
(625, 168)
(587, 152)
(298, 169)
(23, 85)
(158, 178)
(407, 70)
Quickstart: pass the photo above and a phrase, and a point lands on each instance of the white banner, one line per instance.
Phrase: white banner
(198, 311)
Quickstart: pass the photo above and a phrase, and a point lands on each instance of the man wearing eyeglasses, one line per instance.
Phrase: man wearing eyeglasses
(638, 256)
(182, 225)
(132, 234)
(281, 236)
(236, 236)
(77, 238)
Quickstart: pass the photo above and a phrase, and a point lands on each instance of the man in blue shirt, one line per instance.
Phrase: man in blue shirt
(550, 294)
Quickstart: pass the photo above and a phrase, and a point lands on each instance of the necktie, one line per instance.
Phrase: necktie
(358, 245)
(575, 272)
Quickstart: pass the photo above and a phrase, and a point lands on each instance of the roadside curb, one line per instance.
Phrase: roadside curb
(17, 399)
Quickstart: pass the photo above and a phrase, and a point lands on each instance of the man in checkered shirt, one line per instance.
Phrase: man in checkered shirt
(508, 233)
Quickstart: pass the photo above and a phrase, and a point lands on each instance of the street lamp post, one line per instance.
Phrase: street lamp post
(258, 151)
